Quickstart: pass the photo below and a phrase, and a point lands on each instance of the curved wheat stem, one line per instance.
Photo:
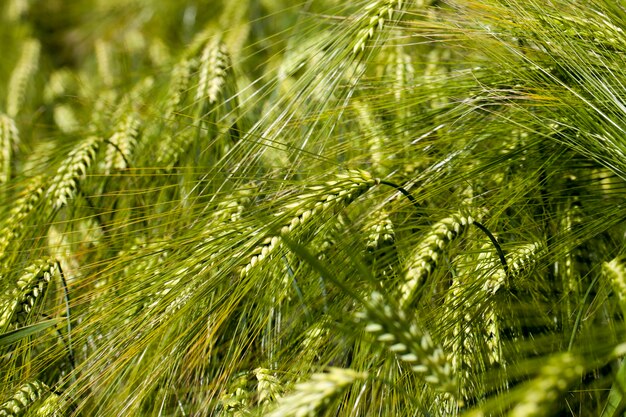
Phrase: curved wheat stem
(341, 192)
(23, 72)
(310, 396)
(66, 181)
(9, 140)
(412, 344)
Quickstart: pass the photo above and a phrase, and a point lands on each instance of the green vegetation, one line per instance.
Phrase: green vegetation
(247, 208)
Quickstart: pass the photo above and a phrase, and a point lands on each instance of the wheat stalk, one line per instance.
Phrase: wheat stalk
(213, 71)
(24, 70)
(425, 256)
(341, 192)
(410, 343)
(66, 181)
(23, 399)
(310, 396)
(9, 141)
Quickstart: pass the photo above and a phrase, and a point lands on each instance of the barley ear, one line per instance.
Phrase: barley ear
(426, 255)
(122, 143)
(23, 399)
(25, 205)
(411, 343)
(310, 396)
(66, 181)
(9, 141)
(373, 20)
(554, 378)
(214, 68)
(344, 190)
(32, 284)
(24, 70)
(615, 271)
(269, 387)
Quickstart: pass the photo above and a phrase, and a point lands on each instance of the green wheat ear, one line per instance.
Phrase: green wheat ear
(309, 397)
(72, 171)
(9, 142)
(23, 399)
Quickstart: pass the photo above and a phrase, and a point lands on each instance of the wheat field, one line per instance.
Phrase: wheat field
(325, 208)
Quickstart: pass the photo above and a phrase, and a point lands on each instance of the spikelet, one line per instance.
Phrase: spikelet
(214, 67)
(22, 73)
(341, 192)
(66, 181)
(381, 245)
(375, 135)
(232, 207)
(23, 399)
(411, 344)
(269, 387)
(31, 285)
(179, 84)
(615, 271)
(102, 50)
(60, 84)
(122, 143)
(373, 20)
(65, 118)
(424, 258)
(21, 209)
(553, 380)
(310, 396)
(9, 140)
(235, 404)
